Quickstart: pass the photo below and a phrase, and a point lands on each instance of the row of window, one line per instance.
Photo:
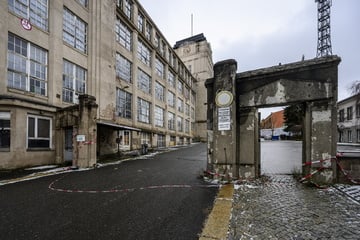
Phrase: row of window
(38, 131)
(124, 110)
(37, 11)
(349, 113)
(123, 69)
(28, 67)
(124, 37)
(347, 135)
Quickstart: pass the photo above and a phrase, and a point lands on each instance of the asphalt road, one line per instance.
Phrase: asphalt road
(157, 198)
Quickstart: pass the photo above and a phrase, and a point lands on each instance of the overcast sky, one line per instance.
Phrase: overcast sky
(264, 33)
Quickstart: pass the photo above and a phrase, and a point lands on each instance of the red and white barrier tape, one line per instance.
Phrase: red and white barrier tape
(53, 188)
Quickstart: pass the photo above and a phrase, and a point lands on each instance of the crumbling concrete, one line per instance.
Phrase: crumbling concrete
(233, 148)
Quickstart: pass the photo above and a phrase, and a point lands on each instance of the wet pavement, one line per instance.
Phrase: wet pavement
(279, 207)
(282, 208)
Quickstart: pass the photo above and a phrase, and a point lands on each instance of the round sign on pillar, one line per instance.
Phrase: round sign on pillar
(224, 98)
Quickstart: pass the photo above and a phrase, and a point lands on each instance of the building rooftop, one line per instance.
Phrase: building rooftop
(197, 38)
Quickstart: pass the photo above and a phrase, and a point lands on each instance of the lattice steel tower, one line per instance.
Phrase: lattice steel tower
(324, 40)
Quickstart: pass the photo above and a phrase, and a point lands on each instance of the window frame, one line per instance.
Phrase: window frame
(159, 91)
(123, 104)
(36, 136)
(159, 117)
(144, 53)
(123, 34)
(171, 121)
(27, 66)
(75, 86)
(144, 110)
(144, 81)
(5, 130)
(38, 16)
(74, 35)
(123, 68)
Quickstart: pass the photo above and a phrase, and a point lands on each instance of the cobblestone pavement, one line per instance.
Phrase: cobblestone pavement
(282, 208)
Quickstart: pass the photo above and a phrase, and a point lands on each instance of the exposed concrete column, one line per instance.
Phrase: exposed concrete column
(222, 138)
(85, 151)
(321, 143)
(248, 143)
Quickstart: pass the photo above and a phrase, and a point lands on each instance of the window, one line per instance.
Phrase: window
(349, 135)
(148, 31)
(171, 99)
(143, 111)
(36, 11)
(171, 79)
(123, 103)
(161, 140)
(27, 66)
(162, 48)
(123, 34)
(358, 135)
(180, 105)
(180, 86)
(187, 93)
(145, 138)
(123, 68)
(157, 41)
(159, 68)
(124, 137)
(341, 136)
(144, 82)
(187, 126)
(193, 97)
(38, 132)
(159, 117)
(187, 109)
(341, 115)
(4, 130)
(143, 53)
(172, 141)
(192, 113)
(126, 7)
(140, 22)
(159, 91)
(74, 31)
(349, 113)
(171, 121)
(84, 3)
(358, 110)
(179, 124)
(74, 82)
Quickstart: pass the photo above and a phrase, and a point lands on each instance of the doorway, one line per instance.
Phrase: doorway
(68, 149)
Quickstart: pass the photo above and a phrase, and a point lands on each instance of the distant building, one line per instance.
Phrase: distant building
(196, 54)
(272, 127)
(137, 89)
(349, 120)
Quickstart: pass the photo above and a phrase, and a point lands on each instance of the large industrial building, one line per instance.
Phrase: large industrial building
(81, 79)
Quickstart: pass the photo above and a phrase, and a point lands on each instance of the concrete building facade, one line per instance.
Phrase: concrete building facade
(196, 54)
(82, 79)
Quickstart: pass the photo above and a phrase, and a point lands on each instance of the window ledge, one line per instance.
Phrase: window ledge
(39, 149)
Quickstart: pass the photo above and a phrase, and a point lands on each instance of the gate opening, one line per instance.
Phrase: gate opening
(280, 145)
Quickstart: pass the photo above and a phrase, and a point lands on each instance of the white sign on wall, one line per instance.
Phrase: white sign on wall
(80, 138)
(224, 118)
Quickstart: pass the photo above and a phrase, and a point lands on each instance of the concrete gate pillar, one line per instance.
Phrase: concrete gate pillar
(222, 120)
(320, 140)
(248, 143)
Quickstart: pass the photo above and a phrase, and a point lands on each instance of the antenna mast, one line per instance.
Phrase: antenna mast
(324, 40)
